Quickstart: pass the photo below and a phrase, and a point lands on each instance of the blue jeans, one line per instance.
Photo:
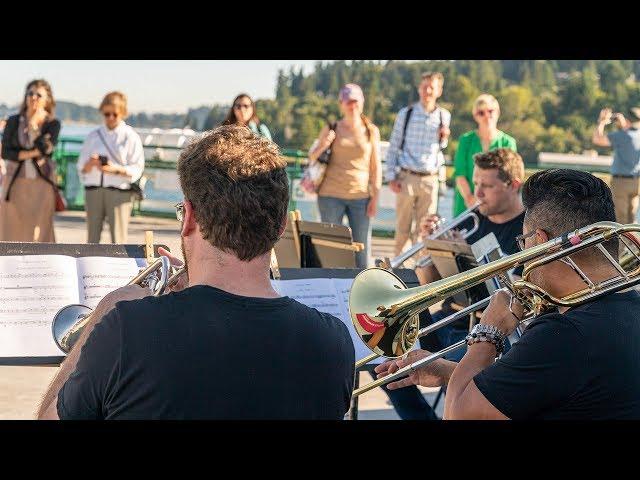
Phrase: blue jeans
(332, 210)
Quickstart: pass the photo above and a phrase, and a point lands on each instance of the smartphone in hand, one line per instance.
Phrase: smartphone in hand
(103, 159)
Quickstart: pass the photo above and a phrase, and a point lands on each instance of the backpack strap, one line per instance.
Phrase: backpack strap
(404, 128)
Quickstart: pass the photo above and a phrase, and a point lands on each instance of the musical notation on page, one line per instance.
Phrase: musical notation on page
(329, 295)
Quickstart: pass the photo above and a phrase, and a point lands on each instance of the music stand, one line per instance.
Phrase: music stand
(315, 245)
(72, 250)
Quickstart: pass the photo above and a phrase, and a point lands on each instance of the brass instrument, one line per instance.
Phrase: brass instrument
(442, 230)
(70, 321)
(385, 313)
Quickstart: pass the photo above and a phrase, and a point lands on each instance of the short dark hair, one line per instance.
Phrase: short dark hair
(561, 200)
(238, 185)
(509, 164)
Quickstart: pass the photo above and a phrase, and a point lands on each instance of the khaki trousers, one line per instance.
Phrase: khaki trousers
(626, 197)
(418, 197)
(115, 206)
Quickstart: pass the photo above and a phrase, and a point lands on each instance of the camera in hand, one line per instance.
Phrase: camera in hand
(103, 159)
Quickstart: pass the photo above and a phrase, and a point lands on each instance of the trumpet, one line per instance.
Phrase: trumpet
(385, 313)
(442, 230)
(70, 321)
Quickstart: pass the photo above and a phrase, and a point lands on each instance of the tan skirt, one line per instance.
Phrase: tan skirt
(28, 215)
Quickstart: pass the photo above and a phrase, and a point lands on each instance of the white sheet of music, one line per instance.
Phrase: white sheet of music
(32, 290)
(98, 276)
(34, 287)
(329, 295)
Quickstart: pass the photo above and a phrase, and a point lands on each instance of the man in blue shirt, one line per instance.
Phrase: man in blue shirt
(625, 170)
(420, 132)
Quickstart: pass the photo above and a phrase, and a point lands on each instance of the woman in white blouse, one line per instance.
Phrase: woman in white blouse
(111, 159)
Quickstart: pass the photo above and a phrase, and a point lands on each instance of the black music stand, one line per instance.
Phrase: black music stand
(408, 276)
(72, 250)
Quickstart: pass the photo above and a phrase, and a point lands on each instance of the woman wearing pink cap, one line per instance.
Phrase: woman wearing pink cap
(353, 178)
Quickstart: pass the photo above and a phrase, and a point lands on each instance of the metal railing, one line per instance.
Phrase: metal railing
(68, 150)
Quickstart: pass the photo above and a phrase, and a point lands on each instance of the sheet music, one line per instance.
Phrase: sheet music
(329, 295)
(98, 276)
(32, 290)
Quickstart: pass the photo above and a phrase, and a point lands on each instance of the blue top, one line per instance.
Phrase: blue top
(260, 129)
(626, 152)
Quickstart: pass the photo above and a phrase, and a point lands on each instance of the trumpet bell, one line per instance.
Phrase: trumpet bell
(66, 318)
(373, 294)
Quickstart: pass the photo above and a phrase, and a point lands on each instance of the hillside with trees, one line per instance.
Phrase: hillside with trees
(547, 105)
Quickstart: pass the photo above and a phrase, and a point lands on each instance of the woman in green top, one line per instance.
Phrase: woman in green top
(243, 112)
(486, 111)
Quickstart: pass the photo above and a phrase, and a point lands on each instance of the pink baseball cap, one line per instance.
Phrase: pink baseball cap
(351, 91)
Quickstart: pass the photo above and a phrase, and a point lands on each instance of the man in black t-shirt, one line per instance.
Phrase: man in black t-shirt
(579, 363)
(226, 345)
(497, 177)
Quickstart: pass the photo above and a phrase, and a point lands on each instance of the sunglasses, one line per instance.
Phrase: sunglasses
(482, 113)
(110, 114)
(179, 211)
(521, 238)
(33, 93)
(244, 106)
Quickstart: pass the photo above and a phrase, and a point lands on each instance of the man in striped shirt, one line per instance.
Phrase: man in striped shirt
(420, 132)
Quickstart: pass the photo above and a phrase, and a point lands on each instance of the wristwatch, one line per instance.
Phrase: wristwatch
(486, 333)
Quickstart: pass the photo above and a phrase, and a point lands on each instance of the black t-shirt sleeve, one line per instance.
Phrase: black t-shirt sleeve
(83, 395)
(541, 371)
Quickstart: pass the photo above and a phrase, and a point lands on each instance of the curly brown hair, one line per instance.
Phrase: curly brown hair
(237, 183)
(509, 163)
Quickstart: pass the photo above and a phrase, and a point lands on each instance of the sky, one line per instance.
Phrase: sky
(167, 86)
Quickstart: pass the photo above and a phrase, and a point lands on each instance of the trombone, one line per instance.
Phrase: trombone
(385, 313)
(70, 321)
(442, 230)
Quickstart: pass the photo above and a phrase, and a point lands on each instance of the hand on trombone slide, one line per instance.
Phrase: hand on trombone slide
(504, 312)
(434, 374)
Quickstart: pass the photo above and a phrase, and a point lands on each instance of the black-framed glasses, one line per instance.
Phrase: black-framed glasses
(244, 106)
(179, 211)
(34, 93)
(522, 237)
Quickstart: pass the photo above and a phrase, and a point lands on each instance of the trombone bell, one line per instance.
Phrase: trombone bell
(373, 295)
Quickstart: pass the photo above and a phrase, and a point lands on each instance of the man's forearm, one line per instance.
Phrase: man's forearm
(599, 138)
(478, 357)
(67, 367)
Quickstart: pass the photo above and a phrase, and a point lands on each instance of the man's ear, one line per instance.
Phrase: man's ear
(515, 184)
(283, 226)
(189, 219)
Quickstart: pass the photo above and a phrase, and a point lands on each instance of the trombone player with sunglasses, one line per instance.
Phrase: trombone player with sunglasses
(227, 346)
(581, 362)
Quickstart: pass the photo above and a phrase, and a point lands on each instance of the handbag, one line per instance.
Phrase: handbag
(314, 173)
(135, 188)
(61, 202)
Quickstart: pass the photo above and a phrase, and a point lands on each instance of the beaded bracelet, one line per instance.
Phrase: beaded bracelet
(486, 333)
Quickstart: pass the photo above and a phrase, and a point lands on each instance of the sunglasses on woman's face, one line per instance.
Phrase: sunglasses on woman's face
(110, 114)
(33, 93)
(244, 106)
(482, 113)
